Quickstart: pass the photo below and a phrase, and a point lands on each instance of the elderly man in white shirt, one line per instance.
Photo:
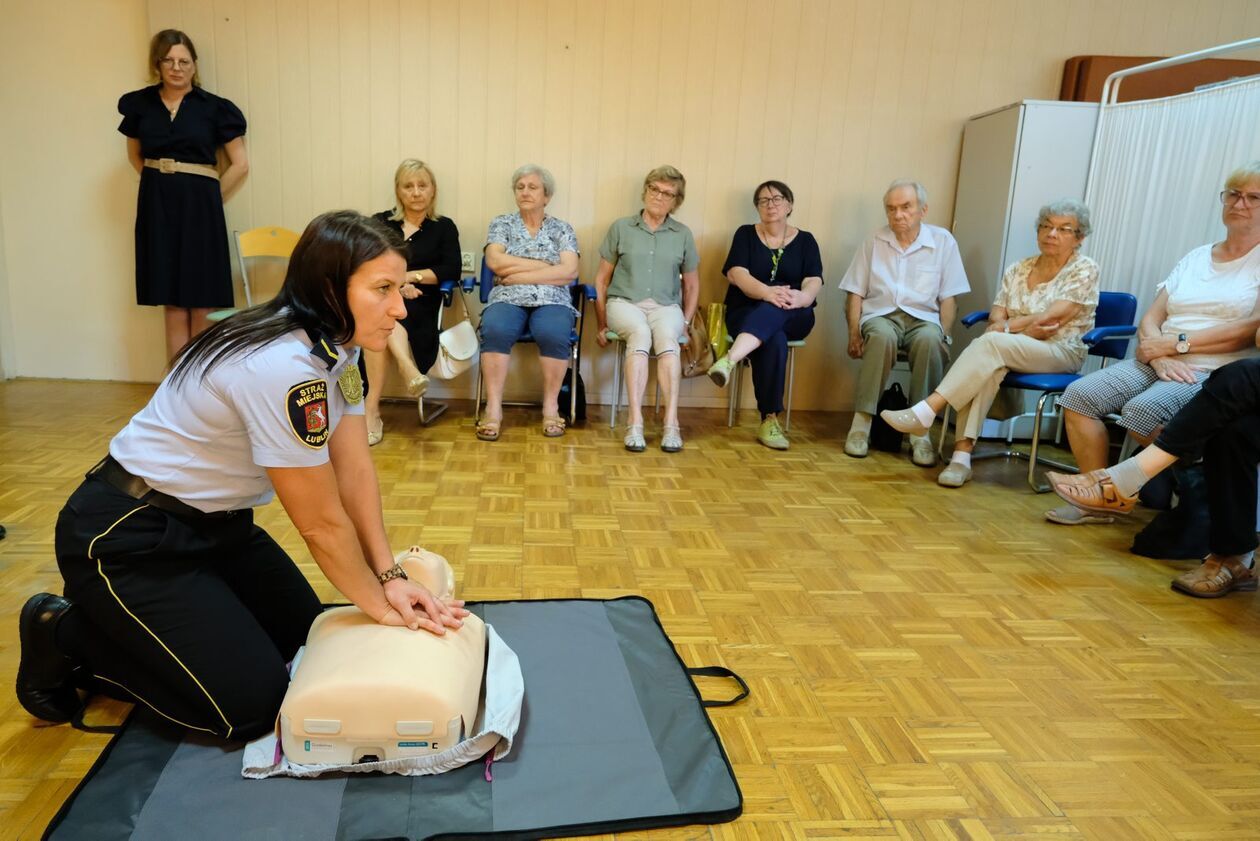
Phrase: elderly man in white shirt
(901, 286)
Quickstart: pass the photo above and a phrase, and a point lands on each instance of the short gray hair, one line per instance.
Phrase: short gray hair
(548, 180)
(1067, 207)
(920, 192)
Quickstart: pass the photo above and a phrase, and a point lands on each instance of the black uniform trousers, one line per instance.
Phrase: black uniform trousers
(775, 327)
(1221, 424)
(193, 616)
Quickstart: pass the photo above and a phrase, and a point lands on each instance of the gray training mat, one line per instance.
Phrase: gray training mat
(613, 737)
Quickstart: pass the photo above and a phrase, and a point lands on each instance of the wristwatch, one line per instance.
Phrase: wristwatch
(390, 574)
(1183, 343)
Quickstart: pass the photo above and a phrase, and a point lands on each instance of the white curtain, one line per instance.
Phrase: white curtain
(1160, 166)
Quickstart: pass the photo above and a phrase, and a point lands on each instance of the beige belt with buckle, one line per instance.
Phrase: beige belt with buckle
(169, 165)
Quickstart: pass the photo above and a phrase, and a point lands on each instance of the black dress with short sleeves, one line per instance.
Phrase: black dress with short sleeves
(182, 257)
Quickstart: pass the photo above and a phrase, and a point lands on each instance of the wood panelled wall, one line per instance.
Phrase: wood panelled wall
(836, 98)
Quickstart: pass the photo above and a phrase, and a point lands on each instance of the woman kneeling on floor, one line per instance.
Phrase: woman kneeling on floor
(173, 597)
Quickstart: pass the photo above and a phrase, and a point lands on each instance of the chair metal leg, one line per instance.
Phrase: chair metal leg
(477, 407)
(940, 444)
(618, 367)
(1036, 444)
(791, 378)
(573, 372)
(436, 411)
(732, 396)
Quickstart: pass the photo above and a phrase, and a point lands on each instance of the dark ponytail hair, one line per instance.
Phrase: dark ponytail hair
(313, 297)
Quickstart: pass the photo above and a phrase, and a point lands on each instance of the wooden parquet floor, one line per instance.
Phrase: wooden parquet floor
(924, 663)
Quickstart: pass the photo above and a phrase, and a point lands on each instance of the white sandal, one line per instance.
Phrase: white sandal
(634, 438)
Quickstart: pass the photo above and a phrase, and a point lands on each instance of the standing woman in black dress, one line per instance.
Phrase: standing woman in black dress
(173, 130)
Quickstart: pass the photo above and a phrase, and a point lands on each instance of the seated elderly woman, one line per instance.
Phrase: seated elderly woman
(1045, 305)
(1205, 316)
(534, 258)
(432, 243)
(646, 290)
(1221, 425)
(775, 275)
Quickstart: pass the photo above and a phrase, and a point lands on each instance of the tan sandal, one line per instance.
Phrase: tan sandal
(553, 427)
(488, 430)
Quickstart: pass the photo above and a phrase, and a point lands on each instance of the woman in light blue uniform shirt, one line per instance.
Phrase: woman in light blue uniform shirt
(173, 597)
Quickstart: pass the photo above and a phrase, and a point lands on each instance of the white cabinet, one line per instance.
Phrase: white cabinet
(1015, 160)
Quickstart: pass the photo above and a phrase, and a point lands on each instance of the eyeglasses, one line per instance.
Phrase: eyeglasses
(656, 191)
(1229, 198)
(771, 201)
(181, 63)
(1061, 230)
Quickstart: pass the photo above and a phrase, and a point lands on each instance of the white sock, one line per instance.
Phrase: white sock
(1128, 477)
(924, 413)
(961, 458)
(861, 422)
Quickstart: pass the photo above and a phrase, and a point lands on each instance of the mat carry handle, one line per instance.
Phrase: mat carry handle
(719, 671)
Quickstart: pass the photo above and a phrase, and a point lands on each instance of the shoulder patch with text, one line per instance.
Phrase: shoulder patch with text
(307, 406)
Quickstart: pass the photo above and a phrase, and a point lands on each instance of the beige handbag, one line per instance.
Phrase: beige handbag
(697, 354)
(457, 351)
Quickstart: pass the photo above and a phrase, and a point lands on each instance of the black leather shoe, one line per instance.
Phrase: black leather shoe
(44, 685)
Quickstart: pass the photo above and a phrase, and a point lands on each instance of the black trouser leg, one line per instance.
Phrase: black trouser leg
(422, 327)
(775, 327)
(1229, 461)
(194, 619)
(1232, 391)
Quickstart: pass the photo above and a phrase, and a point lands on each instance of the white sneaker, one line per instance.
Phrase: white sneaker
(955, 475)
(921, 452)
(857, 444)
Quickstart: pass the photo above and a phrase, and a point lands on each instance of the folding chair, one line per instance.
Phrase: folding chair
(581, 293)
(256, 244)
(619, 373)
(1113, 320)
(447, 290)
(736, 385)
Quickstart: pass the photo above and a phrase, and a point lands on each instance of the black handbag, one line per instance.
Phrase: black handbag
(579, 413)
(883, 437)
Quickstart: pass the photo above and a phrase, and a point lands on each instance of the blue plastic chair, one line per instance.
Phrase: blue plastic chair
(1113, 320)
(581, 293)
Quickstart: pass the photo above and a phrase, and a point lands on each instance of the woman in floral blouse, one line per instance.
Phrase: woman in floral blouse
(534, 258)
(1045, 305)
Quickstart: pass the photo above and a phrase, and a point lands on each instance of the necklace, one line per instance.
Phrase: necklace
(776, 254)
(171, 109)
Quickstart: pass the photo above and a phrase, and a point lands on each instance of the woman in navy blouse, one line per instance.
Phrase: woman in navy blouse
(174, 129)
(775, 272)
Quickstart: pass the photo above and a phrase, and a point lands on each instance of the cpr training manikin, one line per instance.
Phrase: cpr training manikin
(365, 696)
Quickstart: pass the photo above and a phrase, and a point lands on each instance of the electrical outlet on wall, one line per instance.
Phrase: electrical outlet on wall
(466, 262)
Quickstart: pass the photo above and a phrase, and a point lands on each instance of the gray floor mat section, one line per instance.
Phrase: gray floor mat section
(594, 743)
(696, 771)
(201, 794)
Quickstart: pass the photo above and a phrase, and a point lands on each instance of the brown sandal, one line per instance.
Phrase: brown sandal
(553, 427)
(488, 430)
(1214, 578)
